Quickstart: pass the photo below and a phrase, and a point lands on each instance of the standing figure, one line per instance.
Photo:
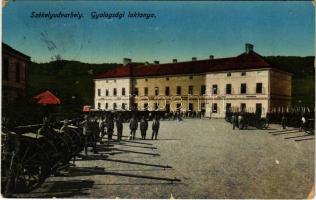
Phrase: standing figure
(234, 121)
(155, 127)
(283, 122)
(303, 122)
(109, 126)
(86, 131)
(119, 127)
(240, 121)
(143, 127)
(102, 127)
(133, 125)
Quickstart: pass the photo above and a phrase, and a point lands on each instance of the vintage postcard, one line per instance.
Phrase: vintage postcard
(158, 99)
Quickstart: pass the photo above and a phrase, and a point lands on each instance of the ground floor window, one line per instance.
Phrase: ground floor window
(214, 108)
(258, 108)
(99, 105)
(243, 107)
(106, 105)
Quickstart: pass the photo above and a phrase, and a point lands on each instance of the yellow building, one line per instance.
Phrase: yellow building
(245, 82)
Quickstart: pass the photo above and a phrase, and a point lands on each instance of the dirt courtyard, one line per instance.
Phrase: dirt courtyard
(209, 158)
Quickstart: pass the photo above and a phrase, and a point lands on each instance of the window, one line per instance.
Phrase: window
(114, 106)
(146, 91)
(214, 89)
(167, 91)
(191, 89)
(258, 108)
(228, 106)
(243, 107)
(106, 92)
(145, 106)
(123, 106)
(106, 105)
(99, 92)
(229, 74)
(156, 91)
(243, 88)
(136, 91)
(259, 88)
(17, 72)
(167, 78)
(167, 107)
(203, 107)
(99, 105)
(178, 106)
(178, 90)
(243, 73)
(190, 77)
(214, 108)
(190, 106)
(123, 91)
(114, 92)
(228, 88)
(203, 89)
(5, 69)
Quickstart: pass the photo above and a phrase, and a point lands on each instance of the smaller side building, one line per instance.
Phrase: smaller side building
(14, 74)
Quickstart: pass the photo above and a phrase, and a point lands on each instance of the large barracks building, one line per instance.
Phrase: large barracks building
(245, 82)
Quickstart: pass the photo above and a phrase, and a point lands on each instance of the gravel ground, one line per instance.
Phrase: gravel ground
(210, 159)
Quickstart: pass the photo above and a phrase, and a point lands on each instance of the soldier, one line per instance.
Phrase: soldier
(133, 125)
(85, 130)
(155, 127)
(143, 127)
(241, 121)
(65, 127)
(302, 124)
(119, 127)
(234, 121)
(283, 121)
(109, 126)
(45, 129)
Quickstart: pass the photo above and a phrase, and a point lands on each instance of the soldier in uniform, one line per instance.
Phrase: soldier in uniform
(241, 121)
(64, 128)
(85, 130)
(110, 126)
(119, 127)
(283, 121)
(102, 127)
(133, 125)
(45, 130)
(234, 121)
(143, 127)
(155, 127)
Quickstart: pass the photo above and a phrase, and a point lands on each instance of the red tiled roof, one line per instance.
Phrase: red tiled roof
(241, 62)
(46, 98)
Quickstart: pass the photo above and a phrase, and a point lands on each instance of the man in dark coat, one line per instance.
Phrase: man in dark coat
(110, 126)
(133, 125)
(119, 127)
(234, 121)
(283, 122)
(155, 127)
(143, 127)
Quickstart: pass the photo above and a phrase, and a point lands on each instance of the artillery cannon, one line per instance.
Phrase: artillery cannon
(29, 158)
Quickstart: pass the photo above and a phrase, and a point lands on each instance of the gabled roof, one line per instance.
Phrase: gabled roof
(6, 47)
(244, 61)
(46, 98)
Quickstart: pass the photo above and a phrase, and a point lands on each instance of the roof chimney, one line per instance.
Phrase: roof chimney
(174, 60)
(156, 62)
(249, 48)
(211, 57)
(126, 61)
(193, 58)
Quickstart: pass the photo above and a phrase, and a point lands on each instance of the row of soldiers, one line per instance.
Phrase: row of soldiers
(173, 115)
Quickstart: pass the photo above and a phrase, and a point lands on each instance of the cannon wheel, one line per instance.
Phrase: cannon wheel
(29, 169)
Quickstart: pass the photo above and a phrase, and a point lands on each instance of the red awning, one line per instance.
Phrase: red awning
(46, 98)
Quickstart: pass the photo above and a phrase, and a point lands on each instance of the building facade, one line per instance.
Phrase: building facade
(14, 74)
(245, 82)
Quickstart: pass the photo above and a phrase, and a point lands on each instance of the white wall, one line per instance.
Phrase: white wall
(109, 84)
(235, 98)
